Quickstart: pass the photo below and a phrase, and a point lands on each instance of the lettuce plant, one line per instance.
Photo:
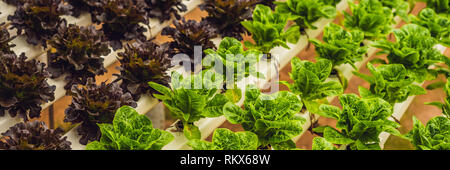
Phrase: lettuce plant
(320, 143)
(130, 131)
(267, 29)
(39, 19)
(306, 12)
(414, 49)
(341, 46)
(165, 9)
(273, 118)
(360, 122)
(233, 59)
(33, 136)
(370, 17)
(226, 15)
(23, 86)
(93, 104)
(224, 139)
(76, 51)
(439, 6)
(5, 40)
(438, 25)
(400, 8)
(120, 20)
(310, 82)
(434, 136)
(445, 107)
(141, 63)
(389, 82)
(191, 99)
(188, 34)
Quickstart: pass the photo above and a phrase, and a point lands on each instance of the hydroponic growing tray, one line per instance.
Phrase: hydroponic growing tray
(282, 56)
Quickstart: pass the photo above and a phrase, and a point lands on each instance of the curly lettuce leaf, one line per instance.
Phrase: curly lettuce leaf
(434, 136)
(389, 82)
(320, 143)
(271, 117)
(440, 6)
(438, 25)
(414, 49)
(359, 123)
(189, 100)
(224, 139)
(231, 57)
(370, 17)
(306, 12)
(310, 81)
(130, 131)
(267, 29)
(340, 46)
(399, 7)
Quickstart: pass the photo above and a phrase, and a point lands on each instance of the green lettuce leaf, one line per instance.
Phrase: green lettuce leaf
(399, 7)
(440, 6)
(389, 82)
(191, 99)
(130, 131)
(369, 17)
(267, 29)
(340, 46)
(360, 122)
(231, 57)
(414, 49)
(434, 136)
(224, 139)
(271, 117)
(438, 25)
(306, 12)
(310, 81)
(320, 143)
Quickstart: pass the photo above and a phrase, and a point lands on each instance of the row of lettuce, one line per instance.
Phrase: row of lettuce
(76, 54)
(270, 121)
